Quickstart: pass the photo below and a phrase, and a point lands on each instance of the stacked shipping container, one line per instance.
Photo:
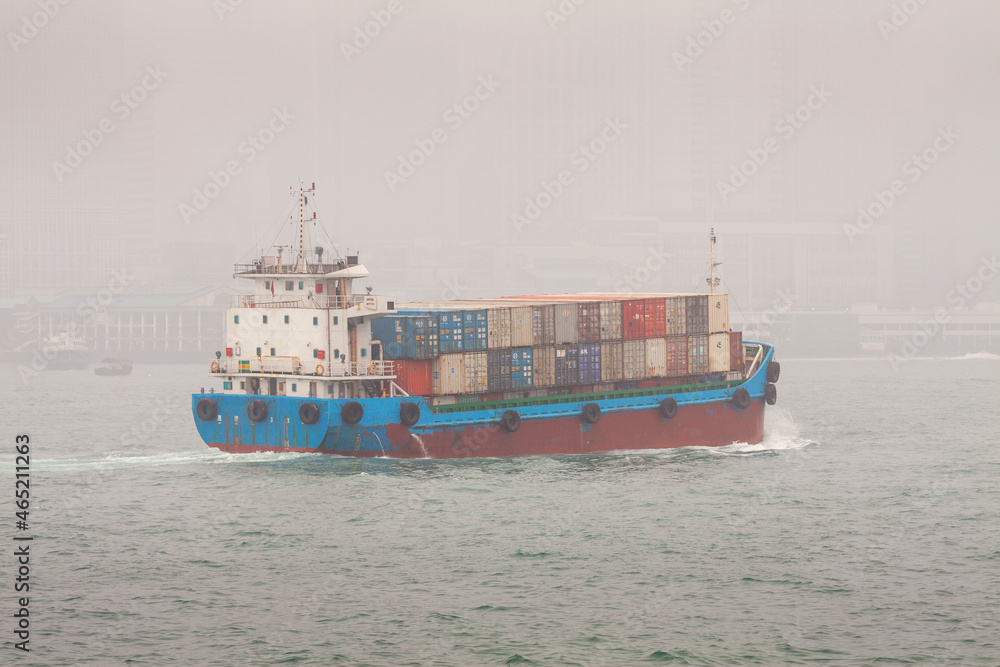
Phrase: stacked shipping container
(502, 349)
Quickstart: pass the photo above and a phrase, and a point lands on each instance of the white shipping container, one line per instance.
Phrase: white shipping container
(611, 361)
(543, 366)
(611, 320)
(449, 376)
(498, 328)
(633, 359)
(676, 312)
(475, 372)
(718, 314)
(656, 357)
(718, 352)
(520, 326)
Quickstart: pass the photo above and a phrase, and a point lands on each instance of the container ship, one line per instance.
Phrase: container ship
(313, 365)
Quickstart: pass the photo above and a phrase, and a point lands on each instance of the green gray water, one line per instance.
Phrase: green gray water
(864, 531)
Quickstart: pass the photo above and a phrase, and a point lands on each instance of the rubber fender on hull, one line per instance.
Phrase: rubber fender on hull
(309, 413)
(510, 421)
(257, 411)
(771, 394)
(741, 398)
(207, 409)
(668, 408)
(591, 413)
(773, 371)
(409, 414)
(352, 412)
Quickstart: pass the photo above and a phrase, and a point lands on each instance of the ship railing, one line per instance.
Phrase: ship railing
(294, 366)
(263, 268)
(347, 369)
(369, 301)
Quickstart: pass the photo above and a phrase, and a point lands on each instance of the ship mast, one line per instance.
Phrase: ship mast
(301, 265)
(712, 281)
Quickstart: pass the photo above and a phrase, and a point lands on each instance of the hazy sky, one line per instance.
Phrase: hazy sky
(873, 84)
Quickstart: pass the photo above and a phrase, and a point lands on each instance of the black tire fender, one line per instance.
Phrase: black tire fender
(773, 371)
(741, 398)
(409, 414)
(510, 421)
(591, 413)
(207, 409)
(352, 412)
(771, 394)
(309, 413)
(668, 408)
(257, 411)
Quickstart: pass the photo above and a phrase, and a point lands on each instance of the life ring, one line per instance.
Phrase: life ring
(773, 371)
(352, 412)
(215, 366)
(510, 421)
(309, 413)
(668, 408)
(257, 411)
(741, 398)
(207, 409)
(319, 369)
(409, 414)
(771, 394)
(372, 369)
(591, 413)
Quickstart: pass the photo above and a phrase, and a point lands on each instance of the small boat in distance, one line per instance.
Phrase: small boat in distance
(114, 367)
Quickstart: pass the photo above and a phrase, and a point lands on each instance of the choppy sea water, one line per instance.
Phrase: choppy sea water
(865, 530)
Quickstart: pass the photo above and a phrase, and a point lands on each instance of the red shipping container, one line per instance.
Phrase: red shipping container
(415, 376)
(655, 316)
(634, 319)
(737, 357)
(677, 356)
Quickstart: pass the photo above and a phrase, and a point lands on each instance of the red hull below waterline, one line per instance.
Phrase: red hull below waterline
(702, 425)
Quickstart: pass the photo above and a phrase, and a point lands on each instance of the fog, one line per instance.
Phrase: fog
(843, 151)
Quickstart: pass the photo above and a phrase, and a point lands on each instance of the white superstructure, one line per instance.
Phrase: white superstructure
(303, 331)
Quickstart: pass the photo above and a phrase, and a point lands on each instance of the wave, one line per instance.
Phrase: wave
(780, 433)
(121, 460)
(975, 355)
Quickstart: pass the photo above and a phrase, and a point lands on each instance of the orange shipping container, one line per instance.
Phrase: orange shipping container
(415, 376)
(654, 311)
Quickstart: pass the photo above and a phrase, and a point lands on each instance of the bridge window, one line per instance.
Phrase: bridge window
(236, 319)
(265, 319)
(300, 284)
(243, 384)
(289, 285)
(267, 284)
(286, 319)
(336, 320)
(315, 321)
(258, 351)
(272, 351)
(294, 387)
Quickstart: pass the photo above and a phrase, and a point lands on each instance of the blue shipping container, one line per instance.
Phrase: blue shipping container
(521, 368)
(450, 332)
(590, 362)
(567, 364)
(395, 334)
(475, 329)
